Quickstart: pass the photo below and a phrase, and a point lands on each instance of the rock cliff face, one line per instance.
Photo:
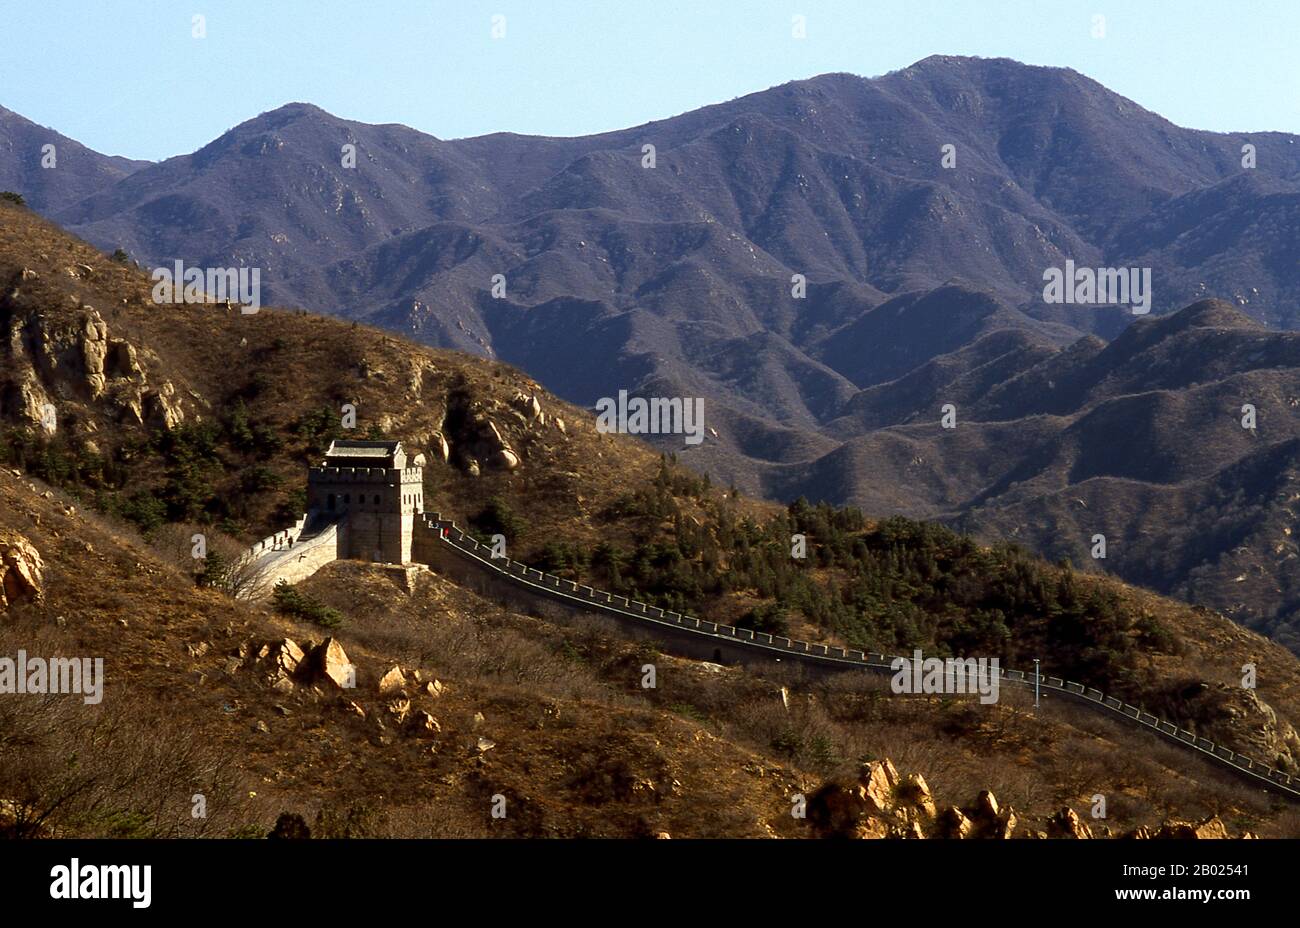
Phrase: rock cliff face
(478, 434)
(1246, 719)
(67, 370)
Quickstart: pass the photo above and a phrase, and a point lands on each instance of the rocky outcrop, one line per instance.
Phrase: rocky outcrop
(282, 661)
(161, 409)
(1244, 720)
(1210, 828)
(25, 400)
(879, 804)
(1067, 824)
(953, 823)
(529, 406)
(914, 792)
(94, 354)
(473, 432)
(329, 664)
(876, 786)
(50, 363)
(883, 804)
(21, 571)
(394, 681)
(438, 447)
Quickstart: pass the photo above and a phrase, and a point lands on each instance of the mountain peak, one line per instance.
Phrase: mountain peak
(1211, 313)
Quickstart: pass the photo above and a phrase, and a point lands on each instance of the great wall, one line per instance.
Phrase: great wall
(391, 519)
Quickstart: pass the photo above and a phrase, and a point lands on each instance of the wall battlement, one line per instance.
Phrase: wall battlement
(388, 475)
(369, 508)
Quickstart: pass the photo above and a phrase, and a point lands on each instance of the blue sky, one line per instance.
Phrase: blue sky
(129, 78)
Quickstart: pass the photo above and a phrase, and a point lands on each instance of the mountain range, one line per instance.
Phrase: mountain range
(183, 422)
(923, 289)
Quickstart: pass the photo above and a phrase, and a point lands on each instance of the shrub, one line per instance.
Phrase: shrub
(769, 618)
(144, 509)
(497, 518)
(291, 601)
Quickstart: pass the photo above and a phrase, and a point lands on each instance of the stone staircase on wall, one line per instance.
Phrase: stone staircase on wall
(294, 554)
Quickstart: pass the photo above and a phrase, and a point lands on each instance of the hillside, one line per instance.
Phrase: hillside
(924, 288)
(552, 719)
(175, 419)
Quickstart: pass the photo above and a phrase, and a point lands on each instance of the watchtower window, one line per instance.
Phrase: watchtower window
(329, 502)
(376, 499)
(347, 498)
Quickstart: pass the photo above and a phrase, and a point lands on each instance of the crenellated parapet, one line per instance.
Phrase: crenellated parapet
(351, 475)
(362, 503)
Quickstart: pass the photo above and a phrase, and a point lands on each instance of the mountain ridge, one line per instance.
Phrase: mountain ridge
(923, 284)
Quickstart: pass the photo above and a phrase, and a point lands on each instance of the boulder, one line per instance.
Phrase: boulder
(161, 409)
(399, 709)
(878, 779)
(953, 823)
(915, 793)
(21, 570)
(393, 681)
(986, 807)
(122, 360)
(424, 723)
(529, 405)
(836, 810)
(284, 655)
(1210, 828)
(329, 663)
(438, 447)
(1067, 824)
(1005, 826)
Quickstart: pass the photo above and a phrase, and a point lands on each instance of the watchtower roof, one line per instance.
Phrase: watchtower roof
(388, 454)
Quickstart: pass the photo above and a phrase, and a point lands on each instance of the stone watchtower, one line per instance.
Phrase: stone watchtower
(369, 489)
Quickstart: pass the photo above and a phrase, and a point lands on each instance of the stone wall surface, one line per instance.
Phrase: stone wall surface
(297, 562)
